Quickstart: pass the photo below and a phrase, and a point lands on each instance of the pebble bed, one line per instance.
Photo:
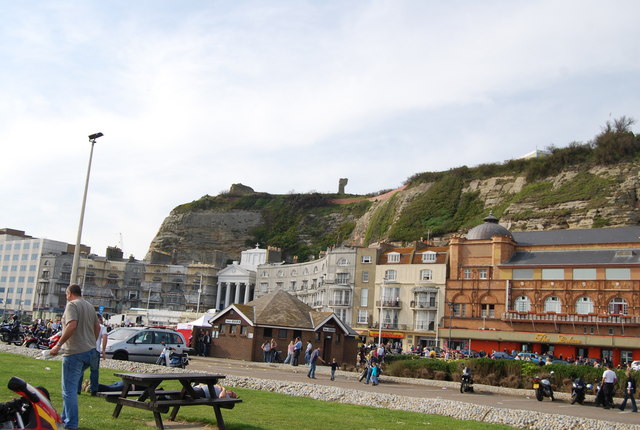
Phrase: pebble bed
(454, 409)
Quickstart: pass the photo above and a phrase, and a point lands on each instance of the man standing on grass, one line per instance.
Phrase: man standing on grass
(315, 356)
(80, 329)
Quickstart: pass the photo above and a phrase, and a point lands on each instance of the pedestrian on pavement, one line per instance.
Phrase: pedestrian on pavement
(609, 379)
(315, 356)
(266, 350)
(206, 343)
(334, 366)
(80, 329)
(629, 392)
(307, 353)
(297, 347)
(289, 353)
(375, 371)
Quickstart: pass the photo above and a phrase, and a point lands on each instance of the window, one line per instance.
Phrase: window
(233, 329)
(618, 274)
(363, 316)
(426, 275)
(584, 274)
(366, 259)
(626, 356)
(343, 262)
(429, 257)
(522, 304)
(552, 304)
(244, 330)
(458, 310)
(292, 286)
(390, 275)
(466, 274)
(482, 273)
(552, 274)
(393, 257)
(342, 278)
(264, 287)
(618, 306)
(525, 274)
(488, 311)
(364, 297)
(268, 332)
(282, 333)
(584, 305)
(365, 276)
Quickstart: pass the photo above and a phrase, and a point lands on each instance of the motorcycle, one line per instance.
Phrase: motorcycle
(32, 410)
(12, 333)
(578, 390)
(466, 381)
(170, 358)
(542, 388)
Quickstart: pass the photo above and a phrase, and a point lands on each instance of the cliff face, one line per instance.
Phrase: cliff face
(581, 198)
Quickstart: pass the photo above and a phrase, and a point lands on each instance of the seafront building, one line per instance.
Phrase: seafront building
(569, 293)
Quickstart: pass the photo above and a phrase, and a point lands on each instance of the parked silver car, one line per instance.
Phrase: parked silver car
(143, 343)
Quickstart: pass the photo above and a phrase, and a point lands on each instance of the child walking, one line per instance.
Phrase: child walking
(375, 371)
(334, 366)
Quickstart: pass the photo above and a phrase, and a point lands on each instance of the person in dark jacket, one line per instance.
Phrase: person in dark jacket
(629, 392)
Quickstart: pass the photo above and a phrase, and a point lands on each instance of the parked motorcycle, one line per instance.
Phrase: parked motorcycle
(12, 333)
(542, 388)
(466, 381)
(578, 390)
(32, 410)
(170, 358)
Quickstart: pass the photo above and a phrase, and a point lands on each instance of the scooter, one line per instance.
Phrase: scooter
(542, 388)
(170, 358)
(33, 410)
(466, 381)
(578, 390)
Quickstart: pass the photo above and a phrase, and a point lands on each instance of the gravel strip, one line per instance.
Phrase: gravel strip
(454, 409)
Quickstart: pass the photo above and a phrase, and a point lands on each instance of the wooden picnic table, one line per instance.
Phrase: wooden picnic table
(150, 397)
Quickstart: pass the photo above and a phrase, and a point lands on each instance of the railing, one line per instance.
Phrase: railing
(425, 325)
(571, 318)
(390, 326)
(389, 303)
(422, 305)
(339, 302)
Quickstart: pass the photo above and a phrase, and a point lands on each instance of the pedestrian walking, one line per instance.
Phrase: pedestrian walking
(609, 379)
(313, 359)
(297, 347)
(334, 366)
(629, 392)
(375, 372)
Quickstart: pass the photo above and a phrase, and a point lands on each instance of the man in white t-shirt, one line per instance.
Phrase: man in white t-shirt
(101, 345)
(609, 378)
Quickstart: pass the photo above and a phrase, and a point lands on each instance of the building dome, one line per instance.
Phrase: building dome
(489, 229)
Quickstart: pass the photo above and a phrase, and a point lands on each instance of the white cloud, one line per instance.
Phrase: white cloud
(287, 95)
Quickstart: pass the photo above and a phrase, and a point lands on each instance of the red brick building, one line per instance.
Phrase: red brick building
(567, 292)
(238, 331)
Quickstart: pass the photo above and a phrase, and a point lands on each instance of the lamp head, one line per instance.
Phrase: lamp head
(94, 136)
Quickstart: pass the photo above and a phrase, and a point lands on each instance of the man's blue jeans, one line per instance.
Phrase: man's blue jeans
(312, 370)
(73, 367)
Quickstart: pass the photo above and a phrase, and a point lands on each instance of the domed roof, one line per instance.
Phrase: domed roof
(489, 229)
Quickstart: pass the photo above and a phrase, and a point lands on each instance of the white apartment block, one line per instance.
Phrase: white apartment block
(21, 260)
(325, 284)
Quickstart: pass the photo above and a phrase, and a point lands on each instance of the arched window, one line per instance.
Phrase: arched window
(552, 304)
(618, 305)
(522, 304)
(343, 262)
(584, 305)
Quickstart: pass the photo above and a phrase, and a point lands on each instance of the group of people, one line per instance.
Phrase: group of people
(202, 343)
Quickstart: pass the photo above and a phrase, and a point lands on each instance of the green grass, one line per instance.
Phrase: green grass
(259, 410)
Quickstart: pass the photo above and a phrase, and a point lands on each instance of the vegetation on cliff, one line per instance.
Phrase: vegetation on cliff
(304, 224)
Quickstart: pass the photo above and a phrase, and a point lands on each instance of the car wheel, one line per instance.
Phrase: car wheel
(32, 345)
(120, 355)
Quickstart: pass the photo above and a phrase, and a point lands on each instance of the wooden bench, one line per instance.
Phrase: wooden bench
(159, 401)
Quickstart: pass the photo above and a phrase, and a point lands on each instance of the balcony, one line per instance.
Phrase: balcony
(423, 305)
(552, 317)
(425, 326)
(390, 326)
(389, 303)
(340, 302)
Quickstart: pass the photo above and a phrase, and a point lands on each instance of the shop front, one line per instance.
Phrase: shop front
(619, 349)
(394, 339)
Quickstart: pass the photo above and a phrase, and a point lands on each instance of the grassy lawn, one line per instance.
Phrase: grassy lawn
(259, 410)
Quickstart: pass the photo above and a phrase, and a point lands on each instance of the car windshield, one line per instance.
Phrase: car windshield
(122, 333)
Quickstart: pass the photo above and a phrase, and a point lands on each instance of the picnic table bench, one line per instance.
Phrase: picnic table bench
(151, 398)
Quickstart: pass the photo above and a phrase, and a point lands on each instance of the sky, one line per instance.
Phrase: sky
(286, 96)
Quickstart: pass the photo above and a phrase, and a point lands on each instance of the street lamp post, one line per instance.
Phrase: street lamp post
(76, 252)
(199, 292)
(380, 318)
